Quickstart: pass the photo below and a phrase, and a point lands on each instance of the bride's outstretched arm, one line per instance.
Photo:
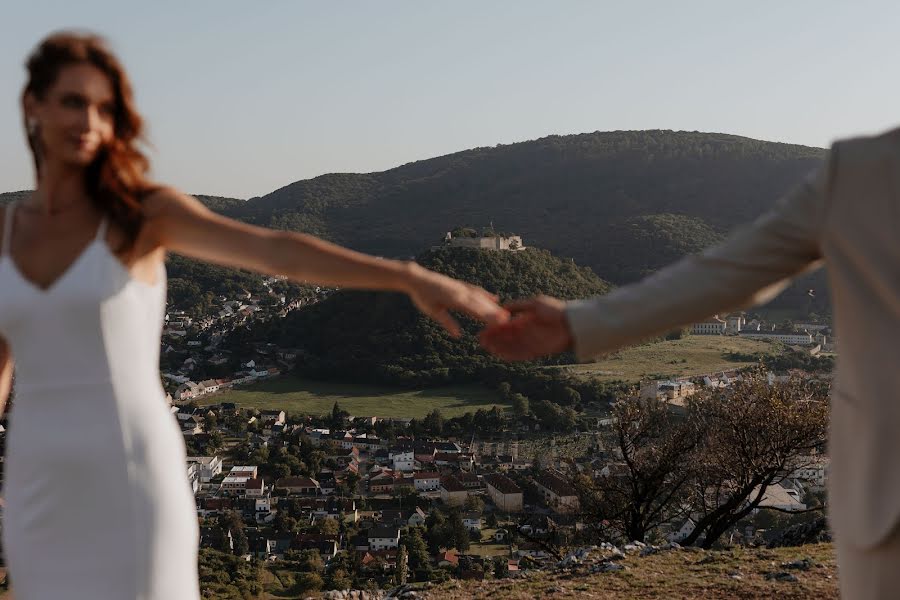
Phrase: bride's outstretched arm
(182, 224)
(6, 371)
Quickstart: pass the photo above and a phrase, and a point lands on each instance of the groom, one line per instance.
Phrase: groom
(846, 216)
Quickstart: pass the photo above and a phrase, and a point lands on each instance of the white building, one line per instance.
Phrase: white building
(193, 472)
(384, 538)
(813, 473)
(404, 461)
(713, 326)
(210, 466)
(792, 338)
(427, 481)
(472, 521)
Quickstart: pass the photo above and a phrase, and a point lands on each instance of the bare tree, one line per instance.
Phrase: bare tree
(647, 486)
(757, 434)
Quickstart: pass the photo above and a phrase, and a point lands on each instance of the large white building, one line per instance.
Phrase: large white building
(504, 492)
(427, 481)
(793, 338)
(713, 326)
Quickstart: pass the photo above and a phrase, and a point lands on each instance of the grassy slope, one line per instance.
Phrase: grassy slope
(673, 575)
(300, 396)
(693, 355)
(701, 354)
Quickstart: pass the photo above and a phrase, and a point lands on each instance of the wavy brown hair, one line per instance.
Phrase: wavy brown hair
(116, 179)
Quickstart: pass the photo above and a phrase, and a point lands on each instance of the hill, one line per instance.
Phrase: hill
(379, 338)
(623, 203)
(563, 193)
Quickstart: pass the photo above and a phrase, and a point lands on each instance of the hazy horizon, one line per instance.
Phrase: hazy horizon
(425, 158)
(242, 100)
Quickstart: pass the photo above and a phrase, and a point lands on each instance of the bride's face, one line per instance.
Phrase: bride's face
(76, 117)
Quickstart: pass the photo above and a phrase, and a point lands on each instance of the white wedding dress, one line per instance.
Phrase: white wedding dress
(97, 500)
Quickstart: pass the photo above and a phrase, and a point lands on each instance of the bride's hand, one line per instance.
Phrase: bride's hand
(436, 295)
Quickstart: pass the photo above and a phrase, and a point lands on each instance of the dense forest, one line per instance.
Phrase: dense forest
(380, 338)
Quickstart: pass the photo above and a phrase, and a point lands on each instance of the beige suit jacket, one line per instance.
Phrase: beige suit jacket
(847, 214)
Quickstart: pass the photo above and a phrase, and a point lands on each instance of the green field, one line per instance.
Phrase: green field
(301, 396)
(692, 355)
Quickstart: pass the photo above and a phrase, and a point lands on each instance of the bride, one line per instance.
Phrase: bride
(97, 502)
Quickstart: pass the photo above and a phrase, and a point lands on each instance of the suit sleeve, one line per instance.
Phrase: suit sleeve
(751, 267)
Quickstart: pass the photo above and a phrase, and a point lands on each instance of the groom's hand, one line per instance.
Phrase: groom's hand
(538, 328)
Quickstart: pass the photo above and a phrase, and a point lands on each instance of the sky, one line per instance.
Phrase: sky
(243, 98)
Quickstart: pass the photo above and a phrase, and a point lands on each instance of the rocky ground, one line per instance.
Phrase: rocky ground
(638, 572)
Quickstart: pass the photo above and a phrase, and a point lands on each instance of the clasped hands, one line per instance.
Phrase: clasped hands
(518, 330)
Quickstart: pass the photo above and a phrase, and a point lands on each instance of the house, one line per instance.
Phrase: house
(234, 485)
(193, 472)
(452, 491)
(262, 507)
(456, 459)
(472, 521)
(214, 506)
(777, 497)
(386, 560)
(209, 385)
(556, 491)
(402, 484)
(503, 491)
(404, 461)
(368, 443)
(210, 466)
(500, 535)
(298, 485)
(383, 538)
(686, 529)
(245, 471)
(382, 483)
(277, 415)
(668, 390)
(813, 472)
(326, 545)
(416, 518)
(254, 487)
(447, 559)
(426, 481)
(470, 481)
(188, 390)
(532, 549)
(403, 518)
